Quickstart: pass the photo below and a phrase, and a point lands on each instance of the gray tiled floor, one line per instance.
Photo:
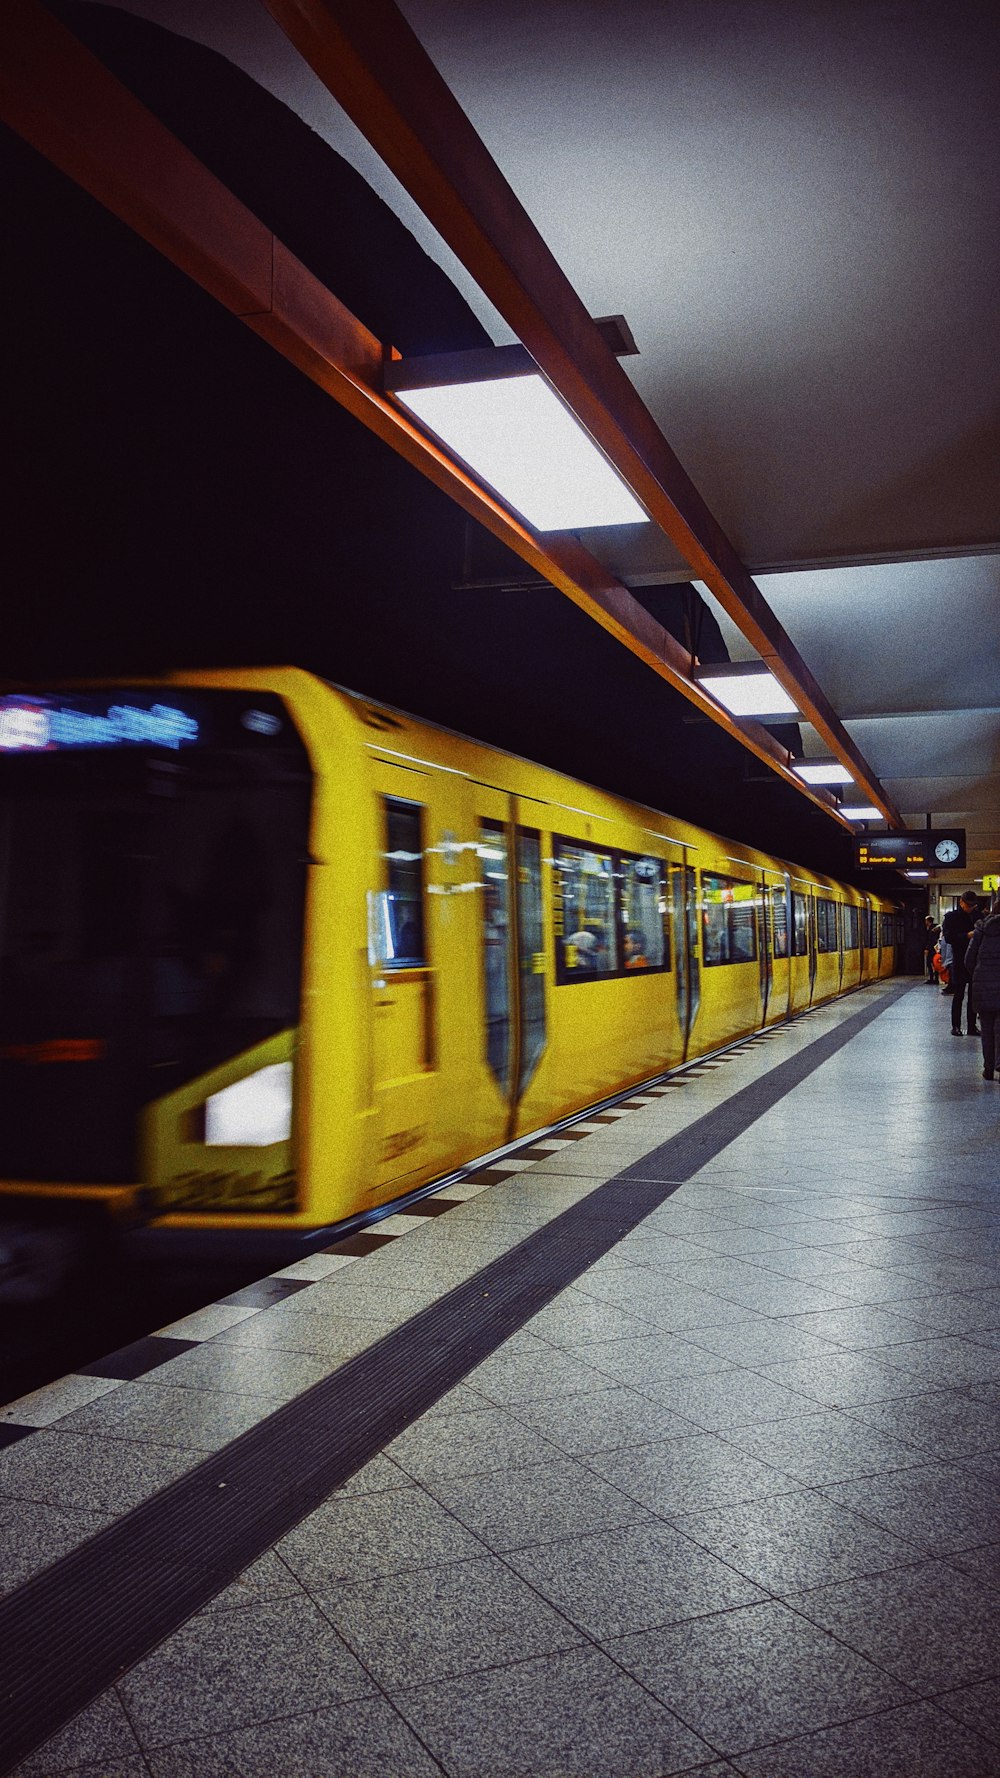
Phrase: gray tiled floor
(726, 1505)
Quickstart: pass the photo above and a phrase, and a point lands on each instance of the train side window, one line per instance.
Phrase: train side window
(800, 925)
(779, 910)
(531, 961)
(850, 928)
(494, 865)
(404, 870)
(729, 928)
(826, 925)
(586, 928)
(645, 941)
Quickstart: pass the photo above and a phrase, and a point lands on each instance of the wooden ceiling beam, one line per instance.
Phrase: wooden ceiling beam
(374, 65)
(62, 100)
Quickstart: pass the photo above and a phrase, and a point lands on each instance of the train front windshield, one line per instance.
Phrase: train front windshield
(153, 855)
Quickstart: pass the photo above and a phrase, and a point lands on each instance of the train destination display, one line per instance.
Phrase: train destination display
(930, 848)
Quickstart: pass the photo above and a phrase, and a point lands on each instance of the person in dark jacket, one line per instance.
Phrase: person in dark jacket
(982, 966)
(956, 930)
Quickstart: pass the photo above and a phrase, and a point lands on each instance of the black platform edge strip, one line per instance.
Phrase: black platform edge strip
(72, 1630)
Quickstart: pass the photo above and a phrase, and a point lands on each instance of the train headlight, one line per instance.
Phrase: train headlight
(252, 1113)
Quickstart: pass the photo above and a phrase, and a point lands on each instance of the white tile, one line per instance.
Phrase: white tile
(399, 1224)
(315, 1266)
(204, 1324)
(43, 1407)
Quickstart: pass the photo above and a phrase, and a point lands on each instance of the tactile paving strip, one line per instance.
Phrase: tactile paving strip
(71, 1631)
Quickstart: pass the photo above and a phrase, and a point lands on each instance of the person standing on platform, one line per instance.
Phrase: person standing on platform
(956, 930)
(931, 933)
(982, 966)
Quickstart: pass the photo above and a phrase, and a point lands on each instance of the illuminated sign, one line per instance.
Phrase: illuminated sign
(925, 849)
(40, 725)
(991, 883)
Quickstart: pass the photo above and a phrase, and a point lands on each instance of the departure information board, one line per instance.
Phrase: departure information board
(928, 848)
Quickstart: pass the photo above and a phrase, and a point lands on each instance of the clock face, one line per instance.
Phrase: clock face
(946, 851)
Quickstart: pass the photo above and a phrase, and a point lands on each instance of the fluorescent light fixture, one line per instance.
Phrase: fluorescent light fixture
(252, 1113)
(861, 812)
(916, 873)
(517, 436)
(746, 689)
(823, 771)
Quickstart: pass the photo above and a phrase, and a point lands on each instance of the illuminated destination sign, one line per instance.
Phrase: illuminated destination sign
(933, 848)
(49, 724)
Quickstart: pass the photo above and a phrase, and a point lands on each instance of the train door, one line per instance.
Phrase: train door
(764, 956)
(496, 874)
(684, 919)
(532, 1034)
(403, 982)
(782, 945)
(812, 945)
(841, 941)
(513, 942)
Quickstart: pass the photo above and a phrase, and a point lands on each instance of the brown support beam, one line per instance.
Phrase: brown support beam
(376, 68)
(67, 105)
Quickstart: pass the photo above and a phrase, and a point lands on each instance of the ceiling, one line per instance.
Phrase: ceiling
(796, 208)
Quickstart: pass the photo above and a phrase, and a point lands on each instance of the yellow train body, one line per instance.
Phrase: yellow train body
(493, 1019)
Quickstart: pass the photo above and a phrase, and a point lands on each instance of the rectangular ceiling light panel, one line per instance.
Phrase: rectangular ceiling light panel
(516, 435)
(825, 771)
(861, 812)
(749, 694)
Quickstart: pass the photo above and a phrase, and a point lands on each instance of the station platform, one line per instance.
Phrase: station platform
(671, 1445)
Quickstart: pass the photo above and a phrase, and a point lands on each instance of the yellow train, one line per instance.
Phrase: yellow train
(275, 955)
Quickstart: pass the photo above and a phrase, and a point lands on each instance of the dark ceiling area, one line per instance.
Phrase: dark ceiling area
(180, 496)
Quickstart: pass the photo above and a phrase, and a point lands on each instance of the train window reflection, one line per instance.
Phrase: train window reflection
(493, 864)
(779, 909)
(800, 925)
(531, 939)
(826, 925)
(404, 871)
(584, 896)
(644, 911)
(729, 929)
(850, 929)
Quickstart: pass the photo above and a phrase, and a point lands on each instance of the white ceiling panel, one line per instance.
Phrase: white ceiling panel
(904, 636)
(797, 208)
(942, 744)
